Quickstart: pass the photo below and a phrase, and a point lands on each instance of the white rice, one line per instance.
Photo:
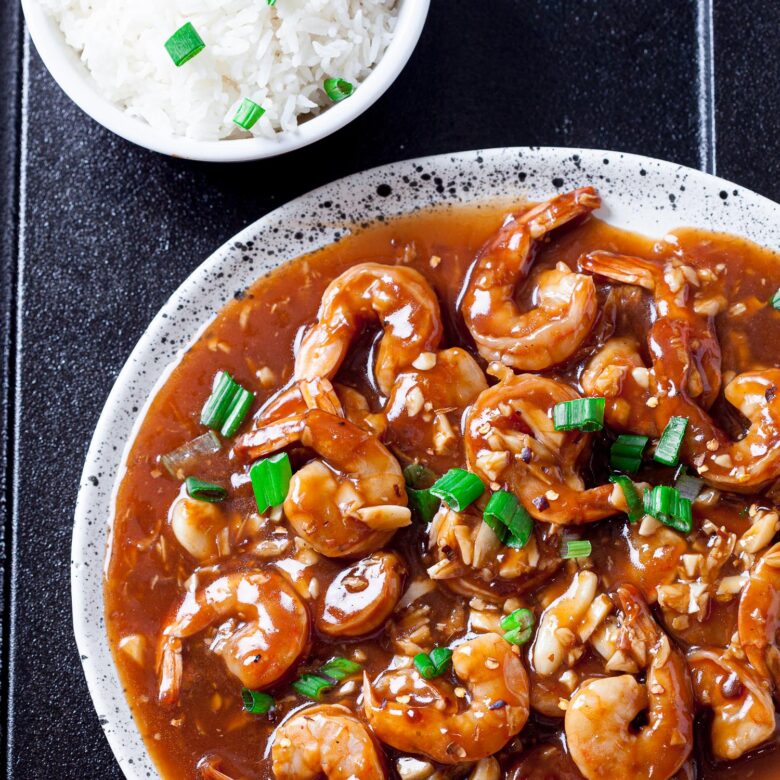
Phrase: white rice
(278, 56)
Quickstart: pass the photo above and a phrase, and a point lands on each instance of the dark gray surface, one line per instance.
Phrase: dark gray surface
(111, 230)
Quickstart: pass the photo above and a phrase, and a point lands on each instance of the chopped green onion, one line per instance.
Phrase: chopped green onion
(440, 657)
(435, 664)
(667, 505)
(338, 89)
(184, 457)
(776, 300)
(518, 626)
(271, 2)
(311, 686)
(626, 452)
(247, 114)
(668, 449)
(270, 479)
(635, 508)
(423, 503)
(583, 414)
(689, 487)
(256, 702)
(339, 668)
(418, 476)
(217, 407)
(508, 519)
(458, 488)
(239, 406)
(425, 666)
(577, 548)
(184, 44)
(204, 491)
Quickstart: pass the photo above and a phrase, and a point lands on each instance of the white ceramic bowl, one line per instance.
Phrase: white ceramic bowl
(71, 74)
(640, 194)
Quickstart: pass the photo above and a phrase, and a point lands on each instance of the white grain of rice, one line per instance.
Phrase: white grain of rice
(278, 56)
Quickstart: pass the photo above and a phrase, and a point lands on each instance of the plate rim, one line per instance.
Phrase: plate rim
(83, 532)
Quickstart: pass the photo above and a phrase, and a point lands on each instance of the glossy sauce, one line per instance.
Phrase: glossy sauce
(253, 339)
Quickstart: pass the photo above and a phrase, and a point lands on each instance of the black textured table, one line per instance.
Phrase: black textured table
(96, 234)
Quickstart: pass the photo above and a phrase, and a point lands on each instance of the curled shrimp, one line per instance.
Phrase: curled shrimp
(472, 561)
(325, 741)
(510, 440)
(671, 282)
(743, 712)
(425, 717)
(426, 405)
(263, 629)
(399, 299)
(599, 717)
(350, 502)
(566, 305)
(642, 400)
(758, 618)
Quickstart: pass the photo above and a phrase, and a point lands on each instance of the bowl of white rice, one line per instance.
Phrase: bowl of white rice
(224, 80)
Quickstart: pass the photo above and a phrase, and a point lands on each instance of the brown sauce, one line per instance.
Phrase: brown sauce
(253, 339)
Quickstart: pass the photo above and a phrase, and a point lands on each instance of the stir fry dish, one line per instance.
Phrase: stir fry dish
(474, 493)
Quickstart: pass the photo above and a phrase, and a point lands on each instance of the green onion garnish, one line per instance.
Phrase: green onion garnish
(418, 479)
(435, 664)
(458, 488)
(204, 491)
(311, 686)
(418, 476)
(635, 507)
(577, 548)
(518, 626)
(271, 2)
(247, 114)
(423, 503)
(667, 505)
(339, 668)
(689, 487)
(239, 406)
(217, 407)
(271, 480)
(256, 702)
(626, 452)
(775, 302)
(508, 518)
(668, 449)
(338, 89)
(583, 414)
(184, 44)
(188, 454)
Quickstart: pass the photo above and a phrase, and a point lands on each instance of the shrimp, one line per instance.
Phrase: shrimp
(197, 526)
(263, 629)
(426, 406)
(743, 712)
(758, 618)
(642, 400)
(362, 596)
(566, 305)
(399, 299)
(472, 561)
(510, 440)
(350, 504)
(326, 741)
(426, 717)
(599, 718)
(671, 282)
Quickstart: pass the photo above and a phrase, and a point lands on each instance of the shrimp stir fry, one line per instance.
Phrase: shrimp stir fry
(599, 716)
(422, 717)
(435, 519)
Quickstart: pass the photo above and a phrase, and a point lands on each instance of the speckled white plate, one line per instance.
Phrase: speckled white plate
(641, 194)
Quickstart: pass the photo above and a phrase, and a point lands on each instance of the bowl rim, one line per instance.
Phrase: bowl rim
(74, 79)
(92, 526)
